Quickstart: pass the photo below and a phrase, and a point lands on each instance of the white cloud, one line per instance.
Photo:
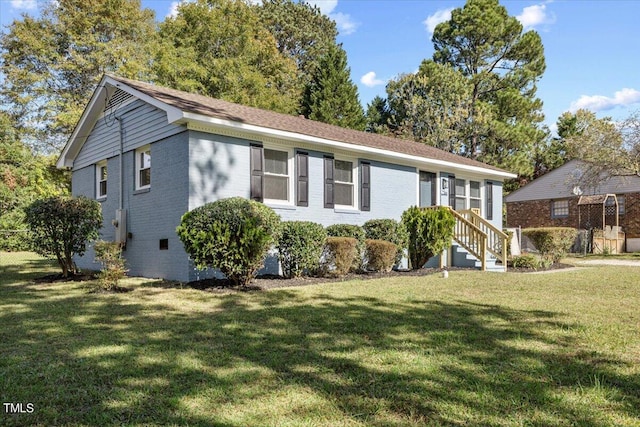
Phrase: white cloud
(326, 6)
(537, 14)
(24, 4)
(621, 98)
(433, 20)
(370, 80)
(173, 9)
(344, 23)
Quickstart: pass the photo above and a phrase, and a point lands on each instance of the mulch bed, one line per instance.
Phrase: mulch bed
(266, 282)
(59, 278)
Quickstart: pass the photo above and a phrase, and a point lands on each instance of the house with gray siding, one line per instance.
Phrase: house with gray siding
(149, 154)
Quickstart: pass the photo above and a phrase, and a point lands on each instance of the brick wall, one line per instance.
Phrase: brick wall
(537, 213)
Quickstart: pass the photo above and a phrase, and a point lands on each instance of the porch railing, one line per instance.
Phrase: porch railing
(497, 240)
(469, 236)
(478, 236)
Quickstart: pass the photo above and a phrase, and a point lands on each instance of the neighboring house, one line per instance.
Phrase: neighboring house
(149, 154)
(553, 201)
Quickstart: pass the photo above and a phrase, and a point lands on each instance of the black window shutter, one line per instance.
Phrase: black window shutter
(452, 191)
(365, 186)
(328, 182)
(434, 189)
(257, 173)
(489, 196)
(302, 179)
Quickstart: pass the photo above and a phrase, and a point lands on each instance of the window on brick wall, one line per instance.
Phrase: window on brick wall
(559, 209)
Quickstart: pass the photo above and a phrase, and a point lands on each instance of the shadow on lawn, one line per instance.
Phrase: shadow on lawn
(101, 359)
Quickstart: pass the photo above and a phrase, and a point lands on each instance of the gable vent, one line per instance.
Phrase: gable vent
(116, 100)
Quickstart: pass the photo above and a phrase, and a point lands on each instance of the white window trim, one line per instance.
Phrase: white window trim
(554, 208)
(466, 192)
(480, 199)
(355, 176)
(290, 175)
(99, 167)
(139, 166)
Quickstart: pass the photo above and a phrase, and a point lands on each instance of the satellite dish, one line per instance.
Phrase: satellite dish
(577, 190)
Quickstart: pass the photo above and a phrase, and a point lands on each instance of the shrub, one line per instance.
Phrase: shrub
(61, 226)
(109, 254)
(355, 232)
(389, 230)
(300, 247)
(340, 252)
(233, 235)
(552, 242)
(381, 255)
(526, 261)
(429, 232)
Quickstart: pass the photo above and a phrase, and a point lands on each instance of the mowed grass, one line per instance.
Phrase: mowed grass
(474, 349)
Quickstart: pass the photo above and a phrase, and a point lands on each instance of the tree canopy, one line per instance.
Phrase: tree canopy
(331, 97)
(502, 65)
(607, 148)
(477, 96)
(219, 48)
(51, 64)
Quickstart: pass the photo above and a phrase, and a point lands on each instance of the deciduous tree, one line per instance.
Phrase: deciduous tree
(51, 64)
(607, 148)
(220, 48)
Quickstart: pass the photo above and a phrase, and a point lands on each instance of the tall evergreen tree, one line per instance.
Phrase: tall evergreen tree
(503, 66)
(51, 64)
(377, 116)
(332, 97)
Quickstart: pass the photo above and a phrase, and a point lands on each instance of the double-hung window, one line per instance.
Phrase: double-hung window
(474, 195)
(101, 180)
(276, 175)
(271, 174)
(343, 183)
(143, 167)
(461, 194)
(347, 184)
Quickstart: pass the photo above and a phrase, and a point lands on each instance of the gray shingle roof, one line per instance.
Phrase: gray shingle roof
(216, 108)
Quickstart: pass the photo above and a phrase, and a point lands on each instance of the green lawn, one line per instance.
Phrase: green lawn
(485, 349)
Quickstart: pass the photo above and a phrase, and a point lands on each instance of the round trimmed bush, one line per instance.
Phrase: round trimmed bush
(381, 255)
(389, 230)
(354, 232)
(300, 247)
(340, 252)
(232, 235)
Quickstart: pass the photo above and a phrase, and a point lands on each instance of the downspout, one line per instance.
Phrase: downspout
(120, 221)
(120, 171)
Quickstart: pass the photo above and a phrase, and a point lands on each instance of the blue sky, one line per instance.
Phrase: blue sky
(592, 48)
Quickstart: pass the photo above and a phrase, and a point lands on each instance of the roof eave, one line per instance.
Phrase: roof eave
(255, 130)
(94, 109)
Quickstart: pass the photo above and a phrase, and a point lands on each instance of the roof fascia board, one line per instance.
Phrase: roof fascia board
(214, 123)
(79, 136)
(94, 110)
(174, 114)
